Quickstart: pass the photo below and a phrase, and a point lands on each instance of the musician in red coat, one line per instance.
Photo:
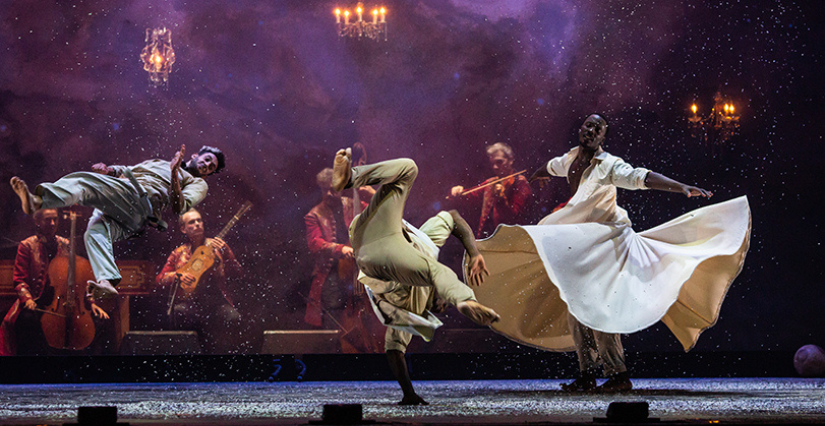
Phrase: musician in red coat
(208, 309)
(333, 273)
(21, 332)
(503, 202)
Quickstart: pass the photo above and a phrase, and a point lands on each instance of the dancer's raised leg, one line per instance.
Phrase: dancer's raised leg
(30, 202)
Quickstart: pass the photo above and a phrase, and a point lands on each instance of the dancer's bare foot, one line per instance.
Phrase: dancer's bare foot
(341, 171)
(477, 312)
(413, 399)
(100, 290)
(31, 203)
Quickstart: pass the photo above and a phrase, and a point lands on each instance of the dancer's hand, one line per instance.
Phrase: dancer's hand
(348, 252)
(456, 191)
(102, 169)
(693, 191)
(178, 159)
(541, 176)
(98, 312)
(175, 195)
(477, 269)
(30, 304)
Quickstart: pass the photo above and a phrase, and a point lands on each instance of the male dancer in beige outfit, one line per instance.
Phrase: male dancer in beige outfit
(386, 252)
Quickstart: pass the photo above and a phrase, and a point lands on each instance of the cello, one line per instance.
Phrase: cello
(362, 332)
(66, 322)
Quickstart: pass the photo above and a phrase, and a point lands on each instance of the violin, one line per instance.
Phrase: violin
(505, 182)
(67, 322)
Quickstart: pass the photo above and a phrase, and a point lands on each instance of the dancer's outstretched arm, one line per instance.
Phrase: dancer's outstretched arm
(663, 183)
(175, 195)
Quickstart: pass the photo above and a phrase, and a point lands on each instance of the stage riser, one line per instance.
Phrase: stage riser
(160, 343)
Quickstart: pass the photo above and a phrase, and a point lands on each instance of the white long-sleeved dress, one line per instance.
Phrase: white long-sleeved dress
(587, 259)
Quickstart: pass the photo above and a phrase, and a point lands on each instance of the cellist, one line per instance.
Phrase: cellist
(21, 332)
(503, 196)
(331, 292)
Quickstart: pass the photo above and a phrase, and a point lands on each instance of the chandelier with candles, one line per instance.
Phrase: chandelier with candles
(721, 124)
(358, 27)
(158, 56)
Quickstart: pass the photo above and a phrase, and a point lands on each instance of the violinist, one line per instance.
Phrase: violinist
(209, 310)
(501, 202)
(21, 332)
(331, 292)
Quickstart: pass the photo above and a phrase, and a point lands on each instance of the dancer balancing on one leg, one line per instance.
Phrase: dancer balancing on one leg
(126, 200)
(399, 263)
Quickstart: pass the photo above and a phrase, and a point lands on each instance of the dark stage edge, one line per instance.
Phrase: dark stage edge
(443, 366)
(692, 401)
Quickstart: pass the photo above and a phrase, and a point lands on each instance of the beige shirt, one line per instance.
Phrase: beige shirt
(155, 176)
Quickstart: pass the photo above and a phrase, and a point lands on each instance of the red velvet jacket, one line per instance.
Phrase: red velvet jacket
(30, 273)
(321, 239)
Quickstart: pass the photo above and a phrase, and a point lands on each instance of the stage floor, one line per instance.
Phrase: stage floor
(700, 401)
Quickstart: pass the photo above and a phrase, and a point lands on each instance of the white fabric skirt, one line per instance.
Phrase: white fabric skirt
(613, 279)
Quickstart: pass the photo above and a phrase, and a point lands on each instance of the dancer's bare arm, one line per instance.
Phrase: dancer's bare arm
(663, 183)
(175, 195)
(477, 267)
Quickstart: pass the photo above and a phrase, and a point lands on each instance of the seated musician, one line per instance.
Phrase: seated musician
(208, 308)
(20, 332)
(502, 202)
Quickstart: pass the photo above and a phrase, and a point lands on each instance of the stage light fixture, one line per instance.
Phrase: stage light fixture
(361, 28)
(158, 55)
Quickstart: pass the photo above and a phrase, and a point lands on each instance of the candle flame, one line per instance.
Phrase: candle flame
(693, 108)
(337, 11)
(383, 10)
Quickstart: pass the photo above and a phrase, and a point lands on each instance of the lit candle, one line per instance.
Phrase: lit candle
(359, 10)
(731, 108)
(383, 15)
(346, 17)
(374, 16)
(337, 16)
(693, 108)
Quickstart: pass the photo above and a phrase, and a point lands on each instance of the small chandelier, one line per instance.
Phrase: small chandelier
(361, 28)
(158, 56)
(717, 127)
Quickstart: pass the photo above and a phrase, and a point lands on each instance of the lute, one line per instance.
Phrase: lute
(203, 257)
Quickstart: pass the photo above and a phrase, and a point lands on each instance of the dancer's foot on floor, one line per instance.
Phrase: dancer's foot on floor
(30, 202)
(341, 171)
(584, 383)
(413, 399)
(477, 312)
(616, 383)
(102, 289)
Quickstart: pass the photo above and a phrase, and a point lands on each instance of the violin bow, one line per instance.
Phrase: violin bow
(482, 186)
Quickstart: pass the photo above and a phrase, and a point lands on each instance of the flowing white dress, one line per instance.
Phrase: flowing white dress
(586, 259)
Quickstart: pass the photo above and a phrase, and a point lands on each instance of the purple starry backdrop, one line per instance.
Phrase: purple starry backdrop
(273, 85)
